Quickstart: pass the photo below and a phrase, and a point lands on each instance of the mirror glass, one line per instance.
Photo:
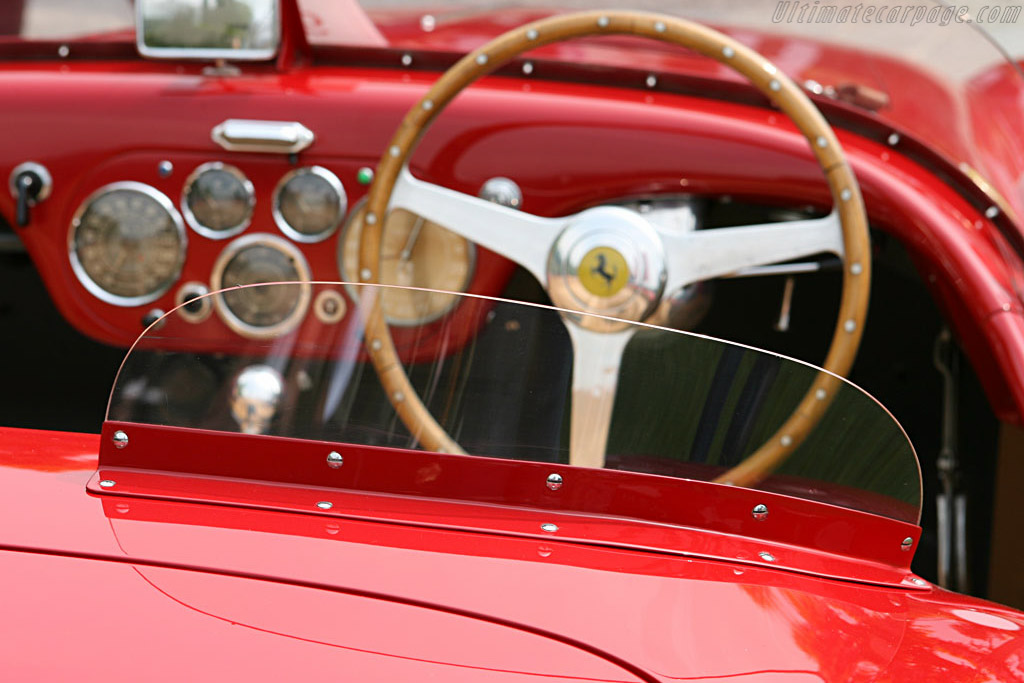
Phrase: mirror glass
(208, 29)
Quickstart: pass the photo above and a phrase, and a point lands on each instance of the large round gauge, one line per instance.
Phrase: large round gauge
(261, 312)
(414, 253)
(218, 200)
(309, 203)
(127, 243)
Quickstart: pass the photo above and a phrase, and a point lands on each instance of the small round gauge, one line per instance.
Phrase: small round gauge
(261, 312)
(127, 243)
(309, 203)
(414, 253)
(218, 200)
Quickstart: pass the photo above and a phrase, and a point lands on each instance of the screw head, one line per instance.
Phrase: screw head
(549, 527)
(334, 460)
(760, 512)
(766, 556)
(907, 543)
(325, 505)
(554, 481)
(107, 483)
(165, 168)
(120, 439)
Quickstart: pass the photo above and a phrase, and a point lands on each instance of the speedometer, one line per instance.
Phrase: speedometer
(127, 243)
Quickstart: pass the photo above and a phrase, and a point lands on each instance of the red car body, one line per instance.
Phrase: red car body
(187, 570)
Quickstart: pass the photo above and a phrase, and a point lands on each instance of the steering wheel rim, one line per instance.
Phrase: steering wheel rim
(848, 207)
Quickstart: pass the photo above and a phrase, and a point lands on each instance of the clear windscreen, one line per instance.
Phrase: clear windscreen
(519, 381)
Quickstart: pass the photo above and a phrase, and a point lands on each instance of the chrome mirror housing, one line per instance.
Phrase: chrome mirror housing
(236, 30)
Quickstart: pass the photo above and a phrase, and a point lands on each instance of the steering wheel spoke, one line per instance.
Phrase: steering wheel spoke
(705, 254)
(597, 357)
(521, 237)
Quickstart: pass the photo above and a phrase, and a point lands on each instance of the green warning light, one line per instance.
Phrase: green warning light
(365, 175)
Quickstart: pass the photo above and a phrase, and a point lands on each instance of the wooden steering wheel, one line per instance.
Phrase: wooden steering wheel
(565, 253)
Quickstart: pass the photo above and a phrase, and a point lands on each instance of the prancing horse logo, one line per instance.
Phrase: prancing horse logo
(603, 271)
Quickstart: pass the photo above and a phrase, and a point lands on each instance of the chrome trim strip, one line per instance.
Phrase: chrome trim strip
(274, 137)
(205, 230)
(283, 223)
(301, 267)
(79, 270)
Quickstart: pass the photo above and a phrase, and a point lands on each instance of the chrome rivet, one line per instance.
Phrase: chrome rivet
(544, 551)
(376, 345)
(728, 52)
(775, 85)
(856, 268)
(651, 80)
(428, 105)
(602, 21)
(845, 195)
(164, 169)
(554, 481)
(365, 274)
(548, 526)
(1006, 307)
(659, 26)
(481, 59)
(120, 439)
(334, 460)
(531, 34)
(991, 212)
(332, 528)
(850, 325)
(918, 582)
(770, 68)
(107, 483)
(428, 22)
(325, 505)
(406, 59)
(395, 150)
(63, 50)
(907, 543)
(820, 394)
(123, 508)
(766, 556)
(786, 440)
(371, 218)
(760, 512)
(813, 87)
(398, 396)
(527, 68)
(893, 139)
(822, 142)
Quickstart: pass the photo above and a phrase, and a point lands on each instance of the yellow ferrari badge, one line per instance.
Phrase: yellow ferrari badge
(603, 271)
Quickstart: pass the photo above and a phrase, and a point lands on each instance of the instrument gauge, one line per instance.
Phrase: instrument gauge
(261, 312)
(309, 203)
(218, 200)
(414, 253)
(127, 243)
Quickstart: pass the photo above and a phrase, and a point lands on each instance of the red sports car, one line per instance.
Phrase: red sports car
(482, 408)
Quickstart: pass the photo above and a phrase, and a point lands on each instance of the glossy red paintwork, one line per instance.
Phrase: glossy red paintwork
(377, 599)
(507, 495)
(716, 147)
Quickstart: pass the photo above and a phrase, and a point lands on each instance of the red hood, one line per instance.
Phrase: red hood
(151, 585)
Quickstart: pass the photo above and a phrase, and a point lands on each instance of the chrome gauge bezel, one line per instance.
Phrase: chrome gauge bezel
(282, 222)
(198, 291)
(91, 285)
(205, 230)
(224, 311)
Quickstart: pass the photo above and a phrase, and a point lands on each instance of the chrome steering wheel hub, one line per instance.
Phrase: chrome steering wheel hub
(607, 261)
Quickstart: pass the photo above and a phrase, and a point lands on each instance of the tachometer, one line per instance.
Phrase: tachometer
(127, 243)
(414, 253)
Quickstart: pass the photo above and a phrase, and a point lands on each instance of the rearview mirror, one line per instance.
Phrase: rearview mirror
(237, 30)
